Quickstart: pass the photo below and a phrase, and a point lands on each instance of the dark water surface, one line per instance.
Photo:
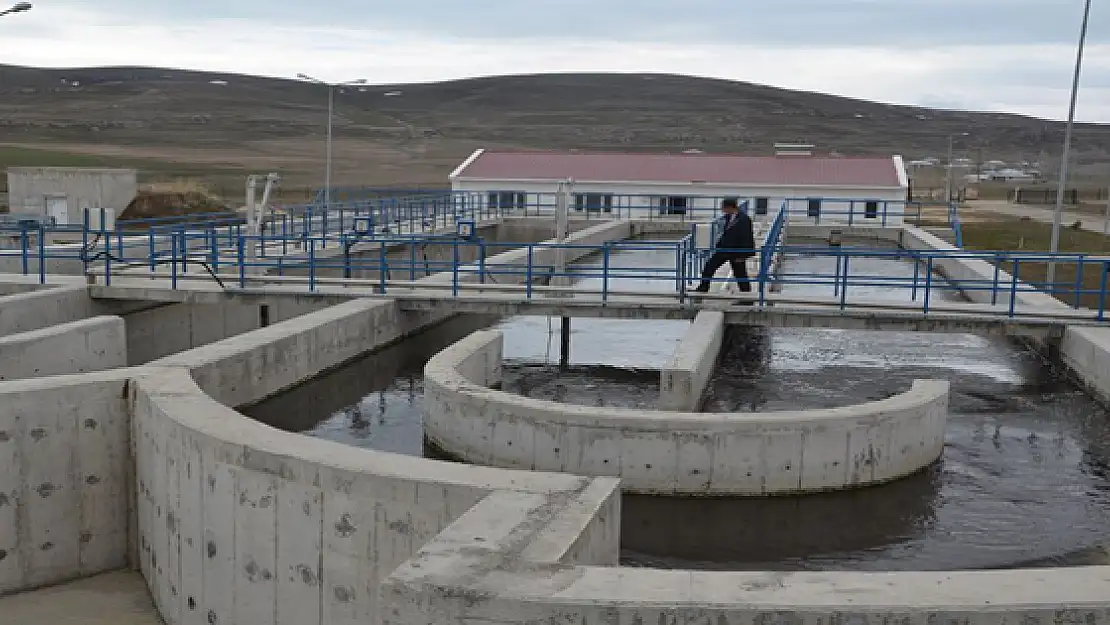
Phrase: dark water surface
(1023, 479)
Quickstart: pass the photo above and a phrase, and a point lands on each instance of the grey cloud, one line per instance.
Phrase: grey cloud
(778, 23)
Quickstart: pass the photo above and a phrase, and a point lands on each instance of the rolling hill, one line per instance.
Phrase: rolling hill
(221, 125)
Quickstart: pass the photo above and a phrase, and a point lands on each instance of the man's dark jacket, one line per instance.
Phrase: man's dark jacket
(738, 236)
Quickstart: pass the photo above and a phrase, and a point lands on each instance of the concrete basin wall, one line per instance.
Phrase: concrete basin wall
(96, 344)
(1085, 350)
(64, 478)
(658, 452)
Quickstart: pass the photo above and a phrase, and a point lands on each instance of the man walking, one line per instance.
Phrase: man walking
(735, 246)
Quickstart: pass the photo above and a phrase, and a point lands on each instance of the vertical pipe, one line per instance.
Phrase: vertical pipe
(564, 344)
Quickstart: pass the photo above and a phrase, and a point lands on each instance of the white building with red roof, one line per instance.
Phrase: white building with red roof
(827, 189)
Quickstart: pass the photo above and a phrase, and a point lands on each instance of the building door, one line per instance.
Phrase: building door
(58, 209)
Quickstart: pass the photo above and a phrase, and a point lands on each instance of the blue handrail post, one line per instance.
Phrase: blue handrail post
(42, 253)
(84, 243)
(997, 274)
(152, 252)
(844, 288)
(1078, 281)
(928, 285)
(240, 254)
(383, 268)
(851, 212)
(173, 261)
(528, 276)
(605, 273)
(1013, 287)
(24, 248)
(916, 275)
(455, 268)
(482, 261)
(1102, 291)
(311, 264)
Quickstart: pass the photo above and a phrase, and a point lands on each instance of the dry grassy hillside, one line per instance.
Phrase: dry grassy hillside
(176, 123)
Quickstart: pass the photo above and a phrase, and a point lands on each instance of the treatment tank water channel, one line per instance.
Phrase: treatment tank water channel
(1023, 479)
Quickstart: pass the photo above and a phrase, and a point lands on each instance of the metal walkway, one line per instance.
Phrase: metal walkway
(778, 310)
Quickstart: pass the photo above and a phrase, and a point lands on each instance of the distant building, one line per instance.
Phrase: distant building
(62, 193)
(818, 187)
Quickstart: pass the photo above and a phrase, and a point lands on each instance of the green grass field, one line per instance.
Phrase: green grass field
(1035, 236)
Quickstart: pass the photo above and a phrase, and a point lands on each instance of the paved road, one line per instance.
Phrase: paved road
(1091, 223)
(117, 598)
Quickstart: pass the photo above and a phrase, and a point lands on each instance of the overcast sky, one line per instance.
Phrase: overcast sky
(1004, 55)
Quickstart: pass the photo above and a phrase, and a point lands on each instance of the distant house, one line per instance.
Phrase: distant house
(821, 188)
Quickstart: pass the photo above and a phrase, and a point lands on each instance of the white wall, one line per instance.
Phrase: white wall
(84, 188)
(643, 199)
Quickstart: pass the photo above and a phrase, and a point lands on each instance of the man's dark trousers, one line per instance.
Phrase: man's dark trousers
(739, 271)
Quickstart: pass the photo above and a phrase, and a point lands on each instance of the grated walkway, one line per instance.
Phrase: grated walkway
(118, 598)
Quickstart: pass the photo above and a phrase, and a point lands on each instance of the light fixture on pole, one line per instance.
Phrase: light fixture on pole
(1057, 216)
(331, 110)
(948, 178)
(17, 8)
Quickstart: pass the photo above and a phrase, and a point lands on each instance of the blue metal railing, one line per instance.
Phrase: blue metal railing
(307, 246)
(387, 264)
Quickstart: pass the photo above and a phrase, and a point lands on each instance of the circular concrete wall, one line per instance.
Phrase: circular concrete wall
(677, 453)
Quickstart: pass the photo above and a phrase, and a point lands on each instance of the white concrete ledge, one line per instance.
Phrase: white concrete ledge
(88, 345)
(658, 452)
(683, 380)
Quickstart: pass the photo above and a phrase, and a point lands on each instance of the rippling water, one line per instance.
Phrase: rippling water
(1023, 478)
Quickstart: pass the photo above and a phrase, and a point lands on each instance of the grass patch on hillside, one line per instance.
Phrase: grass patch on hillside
(1033, 236)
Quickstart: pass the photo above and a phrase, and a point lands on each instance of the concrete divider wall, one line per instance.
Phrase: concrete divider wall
(95, 344)
(1085, 350)
(38, 309)
(541, 256)
(64, 467)
(686, 375)
(660, 452)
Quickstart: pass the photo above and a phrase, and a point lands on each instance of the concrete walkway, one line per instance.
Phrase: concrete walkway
(1090, 223)
(118, 598)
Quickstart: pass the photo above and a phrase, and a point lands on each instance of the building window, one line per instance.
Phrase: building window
(814, 208)
(593, 202)
(674, 205)
(871, 210)
(761, 205)
(506, 199)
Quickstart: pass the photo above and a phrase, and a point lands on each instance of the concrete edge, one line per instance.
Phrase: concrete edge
(710, 454)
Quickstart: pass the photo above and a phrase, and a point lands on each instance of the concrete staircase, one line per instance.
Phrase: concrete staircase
(944, 233)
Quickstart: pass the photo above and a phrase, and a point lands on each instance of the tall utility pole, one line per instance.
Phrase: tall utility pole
(331, 112)
(17, 8)
(948, 178)
(1057, 216)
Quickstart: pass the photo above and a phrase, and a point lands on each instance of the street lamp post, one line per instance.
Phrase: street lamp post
(1057, 216)
(17, 8)
(331, 111)
(948, 178)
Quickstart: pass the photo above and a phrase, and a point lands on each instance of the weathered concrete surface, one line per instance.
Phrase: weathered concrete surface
(659, 452)
(683, 380)
(118, 598)
(64, 467)
(1085, 350)
(252, 525)
(95, 344)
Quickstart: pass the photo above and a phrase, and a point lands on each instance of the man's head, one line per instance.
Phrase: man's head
(729, 206)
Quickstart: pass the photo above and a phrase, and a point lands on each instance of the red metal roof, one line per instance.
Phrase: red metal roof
(685, 168)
